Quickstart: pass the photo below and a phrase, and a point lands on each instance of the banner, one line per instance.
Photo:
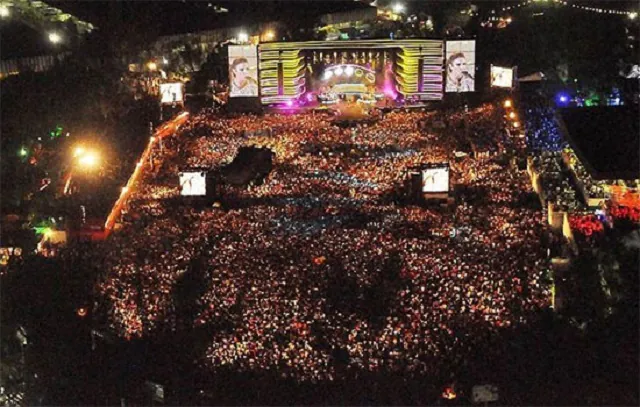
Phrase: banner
(460, 66)
(243, 71)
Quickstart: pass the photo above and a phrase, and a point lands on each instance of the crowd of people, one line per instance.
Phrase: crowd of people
(546, 145)
(316, 271)
(543, 131)
(555, 182)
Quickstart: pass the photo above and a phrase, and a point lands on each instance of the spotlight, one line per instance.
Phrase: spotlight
(243, 37)
(328, 74)
(507, 103)
(398, 8)
(562, 98)
(349, 70)
(78, 151)
(55, 38)
(88, 160)
(339, 71)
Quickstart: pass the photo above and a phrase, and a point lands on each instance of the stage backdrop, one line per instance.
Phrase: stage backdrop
(460, 66)
(243, 71)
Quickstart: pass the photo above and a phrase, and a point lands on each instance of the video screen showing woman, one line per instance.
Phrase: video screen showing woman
(242, 71)
(460, 66)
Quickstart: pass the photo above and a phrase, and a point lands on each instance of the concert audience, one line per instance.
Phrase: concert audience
(316, 270)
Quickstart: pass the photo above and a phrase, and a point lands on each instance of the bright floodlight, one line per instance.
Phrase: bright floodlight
(78, 151)
(23, 152)
(152, 66)
(633, 15)
(269, 35)
(507, 103)
(328, 74)
(4, 11)
(398, 8)
(349, 70)
(243, 37)
(88, 160)
(55, 38)
(512, 115)
(339, 71)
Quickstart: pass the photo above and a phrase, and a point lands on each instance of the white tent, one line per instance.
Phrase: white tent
(534, 77)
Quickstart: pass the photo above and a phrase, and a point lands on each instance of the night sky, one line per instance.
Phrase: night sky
(177, 17)
(182, 16)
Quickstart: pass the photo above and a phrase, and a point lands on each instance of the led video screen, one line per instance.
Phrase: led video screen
(501, 77)
(171, 93)
(362, 80)
(369, 71)
(193, 183)
(243, 71)
(435, 179)
(460, 66)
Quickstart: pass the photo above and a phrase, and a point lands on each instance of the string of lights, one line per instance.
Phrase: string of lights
(631, 14)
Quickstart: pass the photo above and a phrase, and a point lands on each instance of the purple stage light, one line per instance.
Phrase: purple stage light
(562, 98)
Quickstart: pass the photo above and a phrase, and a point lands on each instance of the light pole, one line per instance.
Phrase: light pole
(86, 160)
(151, 141)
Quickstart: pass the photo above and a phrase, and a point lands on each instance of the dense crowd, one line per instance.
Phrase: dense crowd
(543, 132)
(316, 270)
(555, 182)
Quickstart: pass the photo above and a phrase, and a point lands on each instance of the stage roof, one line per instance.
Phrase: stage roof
(425, 43)
(606, 139)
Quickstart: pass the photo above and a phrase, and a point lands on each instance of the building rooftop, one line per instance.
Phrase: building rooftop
(606, 139)
(19, 40)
